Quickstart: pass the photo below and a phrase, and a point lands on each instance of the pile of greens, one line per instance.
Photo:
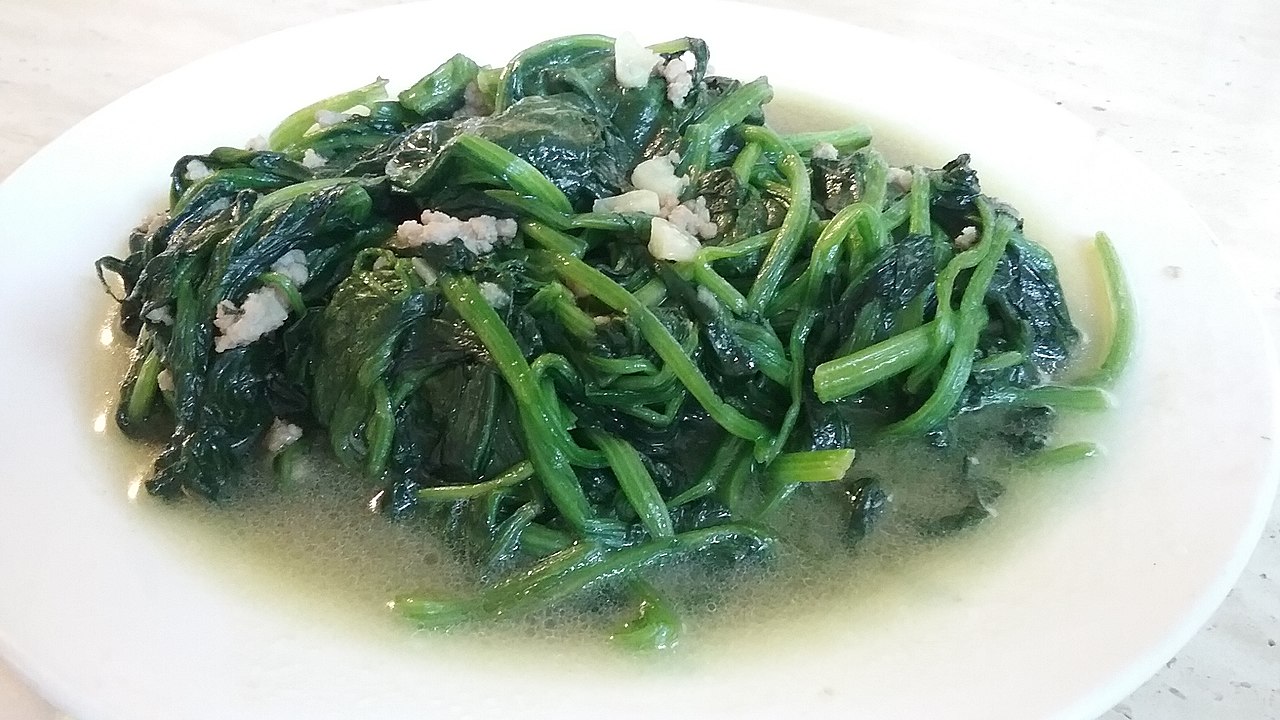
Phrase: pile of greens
(572, 409)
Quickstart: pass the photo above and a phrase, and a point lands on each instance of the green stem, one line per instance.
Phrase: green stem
(284, 462)
(726, 457)
(381, 429)
(552, 239)
(557, 300)
(851, 374)
(573, 570)
(510, 477)
(525, 206)
(734, 490)
(630, 365)
(515, 171)
(660, 339)
(811, 466)
(744, 164)
(438, 614)
(540, 540)
(1123, 331)
(726, 293)
(789, 297)
(285, 284)
(794, 223)
(545, 440)
(1071, 397)
(650, 294)
(896, 213)
(508, 534)
(767, 350)
(791, 470)
(144, 389)
(703, 136)
(776, 493)
(653, 626)
(918, 200)
(822, 262)
(944, 317)
(286, 195)
(712, 253)
(874, 184)
(999, 361)
(846, 140)
(291, 130)
(997, 228)
(636, 483)
(1064, 455)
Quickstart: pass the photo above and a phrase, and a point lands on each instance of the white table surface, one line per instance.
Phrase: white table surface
(1192, 86)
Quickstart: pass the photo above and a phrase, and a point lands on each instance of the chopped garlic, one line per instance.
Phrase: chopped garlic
(153, 223)
(312, 159)
(899, 178)
(164, 380)
(825, 151)
(633, 63)
(161, 315)
(967, 238)
(474, 103)
(281, 435)
(264, 310)
(694, 218)
(668, 242)
(657, 194)
(422, 269)
(257, 143)
(412, 233)
(636, 201)
(495, 295)
(329, 118)
(679, 79)
(659, 175)
(292, 265)
(480, 234)
(708, 298)
(197, 170)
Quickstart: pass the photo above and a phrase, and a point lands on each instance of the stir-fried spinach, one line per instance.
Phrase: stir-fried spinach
(595, 323)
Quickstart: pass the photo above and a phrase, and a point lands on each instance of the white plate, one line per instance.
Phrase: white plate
(1055, 613)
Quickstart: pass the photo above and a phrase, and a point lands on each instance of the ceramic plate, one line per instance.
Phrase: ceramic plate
(1059, 609)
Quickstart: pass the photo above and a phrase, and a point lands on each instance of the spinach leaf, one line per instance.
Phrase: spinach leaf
(1027, 298)
(557, 135)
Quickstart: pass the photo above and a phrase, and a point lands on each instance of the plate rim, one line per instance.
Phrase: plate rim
(1209, 600)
